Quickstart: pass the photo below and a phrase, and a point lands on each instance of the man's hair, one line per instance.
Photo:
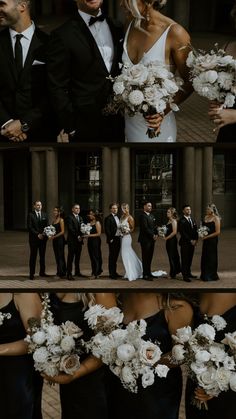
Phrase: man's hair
(112, 204)
(27, 2)
(186, 205)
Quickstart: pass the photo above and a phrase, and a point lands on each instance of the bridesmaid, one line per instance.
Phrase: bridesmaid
(209, 259)
(164, 314)
(172, 243)
(83, 395)
(223, 406)
(20, 385)
(58, 241)
(94, 244)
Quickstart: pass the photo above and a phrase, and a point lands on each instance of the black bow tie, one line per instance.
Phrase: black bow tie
(95, 19)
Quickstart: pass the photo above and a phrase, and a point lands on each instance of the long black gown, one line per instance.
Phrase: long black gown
(223, 406)
(59, 251)
(20, 385)
(86, 397)
(159, 401)
(172, 251)
(209, 259)
(227, 134)
(95, 254)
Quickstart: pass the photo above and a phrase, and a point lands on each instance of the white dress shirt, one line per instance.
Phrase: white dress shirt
(25, 41)
(103, 38)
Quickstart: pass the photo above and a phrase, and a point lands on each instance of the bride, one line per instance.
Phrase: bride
(131, 262)
(151, 36)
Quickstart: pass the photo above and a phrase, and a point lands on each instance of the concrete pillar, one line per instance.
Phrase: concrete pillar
(207, 176)
(46, 7)
(51, 180)
(181, 12)
(106, 179)
(198, 181)
(188, 175)
(36, 180)
(1, 194)
(115, 172)
(124, 176)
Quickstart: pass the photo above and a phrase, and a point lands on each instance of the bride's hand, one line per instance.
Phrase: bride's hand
(201, 395)
(59, 379)
(154, 121)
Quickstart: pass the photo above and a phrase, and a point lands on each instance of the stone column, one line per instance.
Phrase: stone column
(106, 179)
(51, 179)
(198, 187)
(207, 171)
(1, 194)
(46, 7)
(115, 180)
(36, 181)
(188, 175)
(124, 176)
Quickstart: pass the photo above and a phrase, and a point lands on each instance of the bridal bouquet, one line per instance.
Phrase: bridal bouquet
(161, 231)
(4, 316)
(207, 361)
(85, 228)
(147, 89)
(203, 231)
(54, 348)
(49, 231)
(123, 229)
(213, 75)
(128, 356)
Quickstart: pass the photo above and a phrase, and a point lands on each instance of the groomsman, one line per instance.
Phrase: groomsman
(74, 241)
(24, 108)
(111, 224)
(37, 221)
(188, 241)
(82, 54)
(147, 238)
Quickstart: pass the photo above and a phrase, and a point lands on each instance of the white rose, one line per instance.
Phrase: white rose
(125, 352)
(211, 76)
(148, 378)
(198, 368)
(229, 100)
(71, 329)
(162, 370)
(225, 80)
(207, 331)
(170, 86)
(69, 363)
(183, 335)
(223, 378)
(118, 87)
(67, 343)
(138, 74)
(178, 352)
(41, 355)
(232, 381)
(50, 369)
(206, 380)
(149, 353)
(53, 334)
(230, 340)
(39, 337)
(160, 106)
(136, 97)
(202, 356)
(218, 322)
(118, 336)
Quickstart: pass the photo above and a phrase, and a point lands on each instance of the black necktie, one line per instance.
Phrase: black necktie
(18, 54)
(95, 19)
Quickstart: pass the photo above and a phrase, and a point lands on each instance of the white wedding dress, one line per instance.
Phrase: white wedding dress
(132, 264)
(135, 126)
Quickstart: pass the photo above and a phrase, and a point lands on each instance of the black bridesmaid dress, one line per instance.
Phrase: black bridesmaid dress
(95, 254)
(86, 397)
(172, 251)
(223, 406)
(227, 134)
(20, 385)
(209, 259)
(159, 401)
(59, 251)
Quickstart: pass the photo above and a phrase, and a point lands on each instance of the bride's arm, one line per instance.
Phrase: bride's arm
(131, 223)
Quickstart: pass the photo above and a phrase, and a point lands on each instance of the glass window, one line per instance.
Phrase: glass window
(224, 173)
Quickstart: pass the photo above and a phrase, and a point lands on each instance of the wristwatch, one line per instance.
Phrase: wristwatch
(24, 127)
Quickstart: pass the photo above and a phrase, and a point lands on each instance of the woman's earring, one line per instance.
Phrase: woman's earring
(147, 17)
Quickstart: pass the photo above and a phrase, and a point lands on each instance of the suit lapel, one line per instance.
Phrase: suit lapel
(8, 52)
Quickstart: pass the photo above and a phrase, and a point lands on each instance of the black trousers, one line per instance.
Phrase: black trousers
(187, 251)
(74, 252)
(114, 250)
(147, 249)
(35, 247)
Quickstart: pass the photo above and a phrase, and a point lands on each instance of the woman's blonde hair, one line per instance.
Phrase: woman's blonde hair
(88, 299)
(214, 209)
(173, 212)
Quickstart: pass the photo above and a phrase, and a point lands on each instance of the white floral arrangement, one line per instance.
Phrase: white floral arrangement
(208, 362)
(213, 75)
(128, 356)
(203, 231)
(161, 231)
(146, 89)
(85, 228)
(4, 316)
(123, 229)
(54, 348)
(49, 231)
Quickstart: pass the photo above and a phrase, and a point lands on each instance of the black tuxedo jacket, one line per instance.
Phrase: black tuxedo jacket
(36, 226)
(147, 227)
(78, 81)
(110, 227)
(187, 231)
(26, 97)
(73, 228)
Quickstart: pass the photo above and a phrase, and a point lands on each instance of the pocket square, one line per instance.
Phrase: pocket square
(36, 62)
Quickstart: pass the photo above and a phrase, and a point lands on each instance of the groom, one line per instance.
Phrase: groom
(147, 238)
(82, 55)
(111, 224)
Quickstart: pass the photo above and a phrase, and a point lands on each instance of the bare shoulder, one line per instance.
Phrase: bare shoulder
(178, 35)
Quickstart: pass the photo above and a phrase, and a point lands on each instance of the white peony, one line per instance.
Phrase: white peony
(53, 334)
(126, 352)
(170, 86)
(229, 100)
(225, 80)
(183, 335)
(67, 343)
(178, 353)
(202, 356)
(198, 368)
(41, 355)
(217, 353)
(114, 315)
(92, 314)
(230, 340)
(48, 368)
(118, 87)
(162, 370)
(218, 322)
(39, 337)
(222, 378)
(149, 353)
(207, 331)
(136, 97)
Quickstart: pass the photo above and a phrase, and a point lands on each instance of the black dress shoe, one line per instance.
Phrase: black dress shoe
(31, 277)
(112, 277)
(187, 279)
(192, 276)
(148, 278)
(43, 275)
(79, 275)
(70, 278)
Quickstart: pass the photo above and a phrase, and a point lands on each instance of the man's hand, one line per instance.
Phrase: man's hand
(193, 242)
(13, 131)
(40, 236)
